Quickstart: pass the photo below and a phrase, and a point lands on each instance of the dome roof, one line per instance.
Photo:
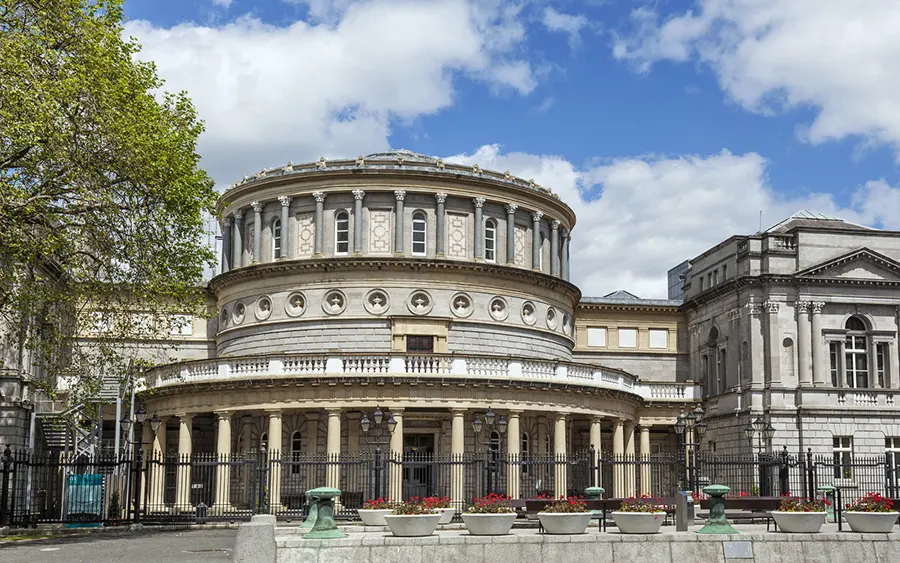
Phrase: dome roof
(402, 154)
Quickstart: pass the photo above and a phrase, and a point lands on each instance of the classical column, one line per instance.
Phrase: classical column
(158, 469)
(819, 369)
(804, 358)
(536, 240)
(275, 443)
(399, 222)
(560, 482)
(479, 228)
(358, 196)
(457, 449)
(395, 486)
(353, 432)
(596, 446)
(223, 453)
(630, 456)
(567, 238)
(319, 226)
(646, 470)
(757, 367)
(513, 452)
(287, 247)
(441, 199)
(257, 230)
(511, 233)
(183, 474)
(333, 448)
(237, 240)
(619, 455)
(773, 346)
(226, 243)
(554, 248)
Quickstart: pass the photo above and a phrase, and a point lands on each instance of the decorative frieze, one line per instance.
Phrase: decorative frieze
(379, 231)
(456, 235)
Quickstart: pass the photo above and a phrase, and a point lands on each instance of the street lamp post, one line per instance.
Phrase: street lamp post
(377, 438)
(126, 423)
(493, 424)
(690, 428)
(763, 432)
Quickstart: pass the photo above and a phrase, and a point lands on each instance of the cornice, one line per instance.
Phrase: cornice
(630, 307)
(267, 269)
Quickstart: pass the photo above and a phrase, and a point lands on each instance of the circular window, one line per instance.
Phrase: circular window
(295, 304)
(461, 305)
(529, 313)
(223, 317)
(498, 309)
(787, 342)
(238, 314)
(566, 324)
(263, 308)
(335, 302)
(552, 319)
(377, 302)
(420, 302)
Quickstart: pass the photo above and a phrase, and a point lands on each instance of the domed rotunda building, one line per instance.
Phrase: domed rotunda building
(424, 309)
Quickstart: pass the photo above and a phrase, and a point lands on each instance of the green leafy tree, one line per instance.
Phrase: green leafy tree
(102, 201)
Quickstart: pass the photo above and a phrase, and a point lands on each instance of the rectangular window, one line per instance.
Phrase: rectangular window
(881, 354)
(627, 338)
(419, 234)
(709, 282)
(659, 338)
(892, 450)
(857, 361)
(342, 233)
(843, 457)
(181, 325)
(596, 337)
(701, 283)
(490, 241)
(721, 371)
(715, 277)
(834, 355)
(724, 272)
(420, 344)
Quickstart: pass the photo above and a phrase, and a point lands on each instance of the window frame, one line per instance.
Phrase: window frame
(277, 239)
(857, 368)
(842, 452)
(599, 330)
(296, 452)
(619, 337)
(650, 333)
(490, 250)
(419, 218)
(419, 338)
(341, 235)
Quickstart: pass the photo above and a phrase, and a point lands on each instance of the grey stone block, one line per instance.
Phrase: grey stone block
(644, 551)
(460, 553)
(264, 519)
(580, 553)
(522, 552)
(700, 552)
(255, 543)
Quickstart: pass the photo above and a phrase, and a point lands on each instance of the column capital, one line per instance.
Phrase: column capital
(817, 307)
(396, 411)
(273, 413)
(597, 419)
(238, 214)
(458, 411)
(478, 201)
(400, 195)
(440, 197)
(537, 216)
(564, 233)
(515, 412)
(319, 196)
(257, 206)
(284, 200)
(755, 309)
(802, 307)
(228, 221)
(560, 416)
(771, 307)
(554, 225)
(330, 411)
(185, 417)
(223, 413)
(511, 208)
(358, 194)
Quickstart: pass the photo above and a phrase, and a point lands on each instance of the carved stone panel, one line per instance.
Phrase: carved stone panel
(306, 234)
(521, 245)
(456, 236)
(380, 231)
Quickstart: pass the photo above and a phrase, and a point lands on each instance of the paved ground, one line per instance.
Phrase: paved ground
(195, 546)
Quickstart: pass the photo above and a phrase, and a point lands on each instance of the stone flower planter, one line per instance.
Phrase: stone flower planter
(871, 522)
(564, 523)
(412, 526)
(799, 522)
(446, 514)
(489, 524)
(373, 517)
(639, 522)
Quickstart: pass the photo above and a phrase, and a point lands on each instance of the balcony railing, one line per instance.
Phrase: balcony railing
(455, 366)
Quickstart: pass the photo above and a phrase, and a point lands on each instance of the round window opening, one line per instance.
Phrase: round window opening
(239, 311)
(498, 309)
(377, 302)
(461, 305)
(334, 303)
(529, 313)
(552, 321)
(263, 308)
(295, 304)
(420, 303)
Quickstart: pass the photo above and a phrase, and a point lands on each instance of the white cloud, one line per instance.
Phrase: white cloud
(841, 58)
(638, 217)
(271, 94)
(222, 3)
(565, 23)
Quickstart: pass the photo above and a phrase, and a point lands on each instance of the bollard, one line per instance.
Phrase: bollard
(717, 523)
(684, 511)
(202, 513)
(311, 513)
(325, 527)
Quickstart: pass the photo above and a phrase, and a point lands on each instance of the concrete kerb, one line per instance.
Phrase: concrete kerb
(255, 541)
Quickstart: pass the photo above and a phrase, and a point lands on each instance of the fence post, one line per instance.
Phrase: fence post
(377, 491)
(262, 464)
(810, 472)
(4, 494)
(138, 467)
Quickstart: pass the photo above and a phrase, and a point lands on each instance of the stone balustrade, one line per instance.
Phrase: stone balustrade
(442, 366)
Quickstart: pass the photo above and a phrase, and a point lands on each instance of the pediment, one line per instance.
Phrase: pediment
(862, 265)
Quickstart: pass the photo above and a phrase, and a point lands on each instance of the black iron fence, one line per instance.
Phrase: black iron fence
(78, 491)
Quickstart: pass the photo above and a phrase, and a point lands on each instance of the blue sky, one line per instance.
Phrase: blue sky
(667, 125)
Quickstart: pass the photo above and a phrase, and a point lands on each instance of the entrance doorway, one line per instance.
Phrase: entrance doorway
(419, 471)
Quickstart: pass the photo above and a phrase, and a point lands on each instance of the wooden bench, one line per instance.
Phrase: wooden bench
(747, 508)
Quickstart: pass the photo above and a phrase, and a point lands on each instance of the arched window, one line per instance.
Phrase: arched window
(524, 453)
(419, 234)
(276, 239)
(342, 233)
(296, 451)
(490, 241)
(495, 445)
(264, 442)
(856, 353)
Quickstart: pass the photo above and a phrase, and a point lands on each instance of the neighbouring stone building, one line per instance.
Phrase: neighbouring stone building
(438, 292)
